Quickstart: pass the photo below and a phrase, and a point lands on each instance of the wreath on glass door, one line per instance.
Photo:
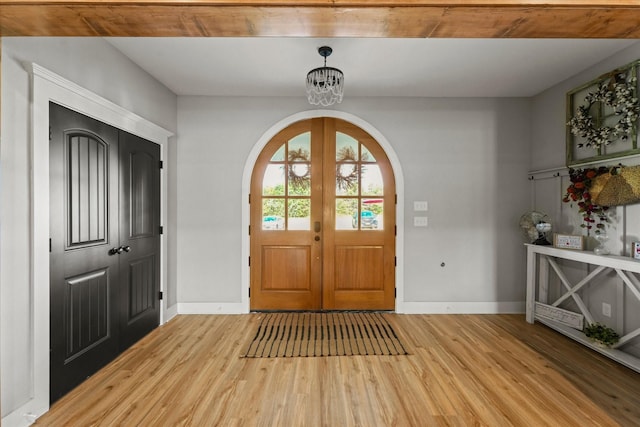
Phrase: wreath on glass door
(299, 170)
(618, 92)
(347, 169)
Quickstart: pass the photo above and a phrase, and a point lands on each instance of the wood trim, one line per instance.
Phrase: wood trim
(322, 18)
(345, 3)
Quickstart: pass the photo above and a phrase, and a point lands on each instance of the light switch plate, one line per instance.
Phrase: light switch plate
(420, 221)
(420, 206)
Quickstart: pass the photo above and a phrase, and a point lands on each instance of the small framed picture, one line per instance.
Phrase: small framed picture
(568, 241)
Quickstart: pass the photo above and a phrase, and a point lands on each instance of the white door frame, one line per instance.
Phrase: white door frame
(47, 86)
(246, 186)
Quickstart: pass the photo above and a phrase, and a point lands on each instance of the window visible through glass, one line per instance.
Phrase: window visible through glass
(286, 186)
(358, 178)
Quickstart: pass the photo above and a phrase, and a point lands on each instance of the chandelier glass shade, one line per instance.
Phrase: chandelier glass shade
(325, 85)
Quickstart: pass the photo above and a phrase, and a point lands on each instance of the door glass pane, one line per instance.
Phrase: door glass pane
(299, 214)
(273, 214)
(273, 181)
(346, 148)
(371, 180)
(299, 179)
(347, 177)
(371, 214)
(279, 155)
(299, 166)
(300, 148)
(346, 214)
(366, 155)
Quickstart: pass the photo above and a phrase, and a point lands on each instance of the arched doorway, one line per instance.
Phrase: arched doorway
(322, 220)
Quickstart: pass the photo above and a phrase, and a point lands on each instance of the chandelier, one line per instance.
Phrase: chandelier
(325, 85)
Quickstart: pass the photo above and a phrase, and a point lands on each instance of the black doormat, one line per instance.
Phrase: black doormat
(305, 334)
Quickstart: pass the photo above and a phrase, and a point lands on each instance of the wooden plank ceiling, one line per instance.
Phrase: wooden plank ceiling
(323, 18)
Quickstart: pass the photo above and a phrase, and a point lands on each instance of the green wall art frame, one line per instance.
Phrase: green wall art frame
(602, 117)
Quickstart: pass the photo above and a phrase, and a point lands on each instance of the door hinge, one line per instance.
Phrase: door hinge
(395, 292)
(161, 230)
(249, 291)
(161, 164)
(249, 230)
(395, 230)
(395, 261)
(50, 134)
(160, 295)
(49, 245)
(396, 200)
(249, 261)
(249, 198)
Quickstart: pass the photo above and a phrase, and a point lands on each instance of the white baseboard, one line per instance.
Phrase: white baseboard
(404, 307)
(211, 308)
(170, 313)
(26, 414)
(461, 307)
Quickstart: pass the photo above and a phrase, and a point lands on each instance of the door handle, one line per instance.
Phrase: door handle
(118, 251)
(316, 226)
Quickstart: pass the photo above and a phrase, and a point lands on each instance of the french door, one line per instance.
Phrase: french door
(322, 221)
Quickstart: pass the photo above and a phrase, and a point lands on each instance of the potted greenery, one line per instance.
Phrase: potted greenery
(601, 335)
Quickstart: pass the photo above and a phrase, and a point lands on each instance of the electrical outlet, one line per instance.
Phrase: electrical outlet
(420, 206)
(606, 309)
(420, 221)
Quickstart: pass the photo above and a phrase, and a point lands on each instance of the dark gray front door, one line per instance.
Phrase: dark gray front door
(104, 201)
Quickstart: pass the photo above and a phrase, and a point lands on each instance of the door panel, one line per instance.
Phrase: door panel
(322, 221)
(84, 226)
(87, 179)
(86, 313)
(359, 190)
(359, 268)
(286, 268)
(139, 237)
(285, 257)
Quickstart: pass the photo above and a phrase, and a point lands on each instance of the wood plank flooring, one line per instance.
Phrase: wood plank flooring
(463, 370)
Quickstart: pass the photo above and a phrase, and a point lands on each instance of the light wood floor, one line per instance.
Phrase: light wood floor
(464, 370)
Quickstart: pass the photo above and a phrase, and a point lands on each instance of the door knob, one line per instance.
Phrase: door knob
(118, 251)
(317, 238)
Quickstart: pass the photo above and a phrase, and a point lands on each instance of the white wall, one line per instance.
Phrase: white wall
(98, 67)
(548, 155)
(466, 157)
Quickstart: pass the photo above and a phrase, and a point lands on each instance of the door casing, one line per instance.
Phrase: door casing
(244, 305)
(48, 86)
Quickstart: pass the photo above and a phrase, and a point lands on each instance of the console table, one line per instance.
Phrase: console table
(541, 260)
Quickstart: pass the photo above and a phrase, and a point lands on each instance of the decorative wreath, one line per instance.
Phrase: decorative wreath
(346, 156)
(298, 158)
(618, 92)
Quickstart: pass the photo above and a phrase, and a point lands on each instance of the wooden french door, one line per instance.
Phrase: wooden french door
(105, 244)
(322, 221)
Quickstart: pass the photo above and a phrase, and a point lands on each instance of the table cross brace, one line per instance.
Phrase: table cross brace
(571, 290)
